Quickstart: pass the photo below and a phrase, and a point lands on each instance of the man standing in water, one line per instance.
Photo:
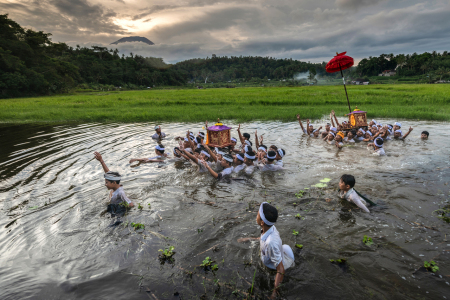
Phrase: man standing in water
(158, 134)
(117, 196)
(274, 255)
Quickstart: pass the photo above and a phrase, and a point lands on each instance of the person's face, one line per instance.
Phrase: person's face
(109, 184)
(396, 127)
(258, 220)
(339, 127)
(158, 131)
(373, 130)
(343, 186)
(397, 134)
(330, 137)
(371, 123)
(219, 156)
(367, 135)
(233, 143)
(423, 136)
(278, 157)
(350, 135)
(359, 133)
(186, 145)
(224, 163)
(311, 127)
(327, 127)
(316, 134)
(338, 138)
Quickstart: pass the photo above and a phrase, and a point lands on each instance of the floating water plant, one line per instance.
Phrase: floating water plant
(215, 268)
(443, 213)
(167, 253)
(294, 232)
(298, 216)
(431, 266)
(207, 262)
(137, 226)
(299, 246)
(300, 194)
(320, 185)
(149, 206)
(140, 206)
(325, 180)
(367, 240)
(338, 261)
(33, 207)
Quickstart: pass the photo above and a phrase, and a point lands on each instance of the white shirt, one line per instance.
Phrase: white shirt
(379, 152)
(156, 157)
(156, 136)
(249, 169)
(279, 162)
(273, 252)
(225, 172)
(239, 168)
(202, 168)
(270, 167)
(360, 138)
(348, 141)
(352, 196)
(118, 196)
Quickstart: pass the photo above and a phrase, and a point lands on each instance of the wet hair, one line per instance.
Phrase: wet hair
(264, 146)
(228, 156)
(271, 153)
(249, 149)
(274, 147)
(246, 135)
(198, 150)
(199, 140)
(251, 153)
(116, 174)
(270, 212)
(348, 180)
(353, 132)
(175, 152)
(426, 132)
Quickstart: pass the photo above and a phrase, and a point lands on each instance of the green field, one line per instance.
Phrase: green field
(428, 102)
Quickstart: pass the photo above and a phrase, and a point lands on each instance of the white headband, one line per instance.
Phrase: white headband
(199, 145)
(374, 121)
(398, 124)
(362, 131)
(248, 142)
(376, 142)
(205, 153)
(111, 177)
(158, 147)
(246, 148)
(389, 126)
(263, 217)
(370, 133)
(249, 157)
(234, 139)
(280, 152)
(263, 149)
(201, 134)
(157, 127)
(271, 157)
(228, 159)
(315, 130)
(219, 152)
(239, 157)
(332, 133)
(374, 126)
(398, 130)
(333, 129)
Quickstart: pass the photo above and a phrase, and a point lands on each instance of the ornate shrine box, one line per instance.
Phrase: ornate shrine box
(357, 118)
(218, 135)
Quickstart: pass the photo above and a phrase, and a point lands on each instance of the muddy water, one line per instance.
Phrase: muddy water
(55, 242)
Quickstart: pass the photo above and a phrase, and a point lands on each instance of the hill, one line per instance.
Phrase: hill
(130, 39)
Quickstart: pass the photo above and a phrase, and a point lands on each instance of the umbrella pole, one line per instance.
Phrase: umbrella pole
(348, 102)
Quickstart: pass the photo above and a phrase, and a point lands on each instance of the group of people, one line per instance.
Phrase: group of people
(243, 156)
(375, 134)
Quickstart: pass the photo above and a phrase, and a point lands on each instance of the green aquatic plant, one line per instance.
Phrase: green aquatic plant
(149, 206)
(294, 232)
(431, 266)
(338, 261)
(167, 253)
(367, 240)
(33, 207)
(140, 206)
(137, 226)
(299, 246)
(215, 267)
(300, 194)
(443, 213)
(320, 185)
(298, 216)
(325, 180)
(207, 262)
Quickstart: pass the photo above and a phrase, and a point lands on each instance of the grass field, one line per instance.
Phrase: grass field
(427, 102)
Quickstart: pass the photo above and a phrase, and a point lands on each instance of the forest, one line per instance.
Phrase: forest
(31, 64)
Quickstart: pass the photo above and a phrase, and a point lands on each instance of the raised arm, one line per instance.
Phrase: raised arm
(191, 143)
(180, 152)
(213, 156)
(409, 131)
(211, 171)
(300, 122)
(256, 139)
(307, 127)
(331, 118)
(241, 138)
(99, 157)
(334, 115)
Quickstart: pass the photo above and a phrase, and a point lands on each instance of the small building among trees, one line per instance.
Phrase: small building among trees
(388, 73)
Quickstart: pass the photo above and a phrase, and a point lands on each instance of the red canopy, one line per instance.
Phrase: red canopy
(339, 62)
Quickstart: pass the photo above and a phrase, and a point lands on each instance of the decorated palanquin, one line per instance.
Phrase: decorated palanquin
(356, 119)
(218, 135)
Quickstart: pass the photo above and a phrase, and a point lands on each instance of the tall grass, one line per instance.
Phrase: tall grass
(430, 102)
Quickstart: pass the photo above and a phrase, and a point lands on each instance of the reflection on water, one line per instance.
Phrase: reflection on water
(56, 243)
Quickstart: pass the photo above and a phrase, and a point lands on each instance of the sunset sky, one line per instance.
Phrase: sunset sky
(310, 30)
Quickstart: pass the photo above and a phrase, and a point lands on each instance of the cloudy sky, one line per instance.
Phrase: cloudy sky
(310, 30)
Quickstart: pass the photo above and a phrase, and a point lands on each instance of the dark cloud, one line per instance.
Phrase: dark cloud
(302, 29)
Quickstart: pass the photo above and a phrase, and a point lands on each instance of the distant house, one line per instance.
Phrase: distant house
(360, 81)
(442, 81)
(388, 73)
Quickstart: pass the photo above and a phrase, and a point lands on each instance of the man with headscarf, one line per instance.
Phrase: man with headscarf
(158, 134)
(274, 255)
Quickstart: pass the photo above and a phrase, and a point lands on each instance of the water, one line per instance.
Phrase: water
(55, 242)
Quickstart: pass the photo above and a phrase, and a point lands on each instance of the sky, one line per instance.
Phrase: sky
(308, 30)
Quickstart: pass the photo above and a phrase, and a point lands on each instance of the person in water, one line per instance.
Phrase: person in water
(424, 135)
(117, 197)
(160, 156)
(227, 165)
(347, 192)
(249, 159)
(377, 146)
(239, 162)
(158, 134)
(269, 164)
(274, 255)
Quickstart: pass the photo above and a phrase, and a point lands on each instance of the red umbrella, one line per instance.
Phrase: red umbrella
(338, 63)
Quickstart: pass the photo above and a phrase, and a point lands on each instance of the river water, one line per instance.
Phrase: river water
(56, 243)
